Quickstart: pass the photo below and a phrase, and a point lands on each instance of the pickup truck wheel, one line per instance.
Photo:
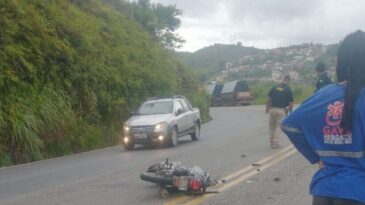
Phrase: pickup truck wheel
(173, 141)
(129, 146)
(196, 134)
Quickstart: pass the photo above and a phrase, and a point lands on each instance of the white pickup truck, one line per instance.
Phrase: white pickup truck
(161, 121)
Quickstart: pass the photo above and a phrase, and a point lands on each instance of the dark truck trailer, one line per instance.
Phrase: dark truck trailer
(231, 94)
(216, 96)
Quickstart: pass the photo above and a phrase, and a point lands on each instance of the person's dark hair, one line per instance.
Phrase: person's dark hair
(351, 68)
(321, 67)
(287, 77)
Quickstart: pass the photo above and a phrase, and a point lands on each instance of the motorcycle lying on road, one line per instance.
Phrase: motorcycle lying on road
(172, 176)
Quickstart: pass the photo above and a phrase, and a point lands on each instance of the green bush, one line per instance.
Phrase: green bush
(259, 92)
(301, 92)
(201, 100)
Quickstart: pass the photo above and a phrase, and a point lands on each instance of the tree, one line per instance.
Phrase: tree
(168, 18)
(160, 21)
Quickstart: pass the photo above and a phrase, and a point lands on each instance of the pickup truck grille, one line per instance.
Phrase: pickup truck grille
(141, 129)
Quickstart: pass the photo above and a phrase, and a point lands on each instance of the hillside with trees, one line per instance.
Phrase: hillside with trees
(209, 61)
(257, 64)
(71, 72)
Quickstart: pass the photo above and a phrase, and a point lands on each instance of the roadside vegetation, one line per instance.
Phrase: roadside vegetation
(71, 72)
(260, 90)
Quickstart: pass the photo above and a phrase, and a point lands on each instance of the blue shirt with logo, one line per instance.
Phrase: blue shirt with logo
(315, 130)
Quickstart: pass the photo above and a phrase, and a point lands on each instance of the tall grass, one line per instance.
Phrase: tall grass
(20, 127)
(32, 121)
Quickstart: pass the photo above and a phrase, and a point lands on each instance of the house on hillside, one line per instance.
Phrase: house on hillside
(294, 75)
(219, 79)
(276, 75)
(224, 73)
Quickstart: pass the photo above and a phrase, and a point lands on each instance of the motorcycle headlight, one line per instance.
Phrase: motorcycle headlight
(126, 128)
(160, 127)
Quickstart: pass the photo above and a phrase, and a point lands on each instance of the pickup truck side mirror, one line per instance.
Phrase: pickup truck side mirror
(131, 114)
(179, 111)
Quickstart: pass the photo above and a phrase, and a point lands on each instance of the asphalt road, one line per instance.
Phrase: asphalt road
(236, 138)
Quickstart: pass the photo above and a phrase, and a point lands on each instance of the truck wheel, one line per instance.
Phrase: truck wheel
(129, 146)
(173, 141)
(196, 134)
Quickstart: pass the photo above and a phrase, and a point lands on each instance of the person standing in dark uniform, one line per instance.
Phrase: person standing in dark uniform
(279, 103)
(323, 78)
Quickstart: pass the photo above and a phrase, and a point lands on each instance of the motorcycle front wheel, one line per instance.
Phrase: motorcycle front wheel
(157, 179)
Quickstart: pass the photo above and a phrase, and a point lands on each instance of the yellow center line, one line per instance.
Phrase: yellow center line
(237, 177)
(262, 161)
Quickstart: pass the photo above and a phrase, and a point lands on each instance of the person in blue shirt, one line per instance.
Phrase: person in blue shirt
(329, 129)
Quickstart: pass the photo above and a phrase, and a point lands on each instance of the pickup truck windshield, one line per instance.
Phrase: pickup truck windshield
(155, 107)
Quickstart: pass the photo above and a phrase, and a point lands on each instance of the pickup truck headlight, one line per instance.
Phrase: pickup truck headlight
(126, 128)
(160, 127)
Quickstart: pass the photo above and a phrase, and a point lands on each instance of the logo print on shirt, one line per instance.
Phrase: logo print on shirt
(333, 132)
(334, 113)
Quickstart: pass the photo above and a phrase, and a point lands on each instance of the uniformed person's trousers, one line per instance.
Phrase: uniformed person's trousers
(276, 116)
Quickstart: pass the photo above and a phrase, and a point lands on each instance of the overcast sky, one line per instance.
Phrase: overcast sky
(267, 23)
